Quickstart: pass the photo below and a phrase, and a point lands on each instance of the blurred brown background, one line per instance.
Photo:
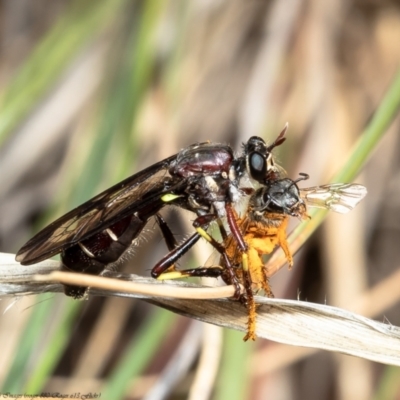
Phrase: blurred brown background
(91, 92)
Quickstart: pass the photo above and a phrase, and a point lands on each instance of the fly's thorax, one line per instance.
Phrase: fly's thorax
(202, 159)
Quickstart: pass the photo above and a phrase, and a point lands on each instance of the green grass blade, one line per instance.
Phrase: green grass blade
(32, 335)
(389, 387)
(122, 98)
(55, 347)
(381, 120)
(80, 23)
(141, 350)
(233, 381)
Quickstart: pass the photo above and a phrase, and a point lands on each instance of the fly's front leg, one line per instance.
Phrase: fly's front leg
(237, 234)
(233, 226)
(248, 298)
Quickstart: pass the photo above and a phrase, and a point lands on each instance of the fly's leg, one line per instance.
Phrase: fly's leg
(175, 252)
(206, 272)
(233, 226)
(161, 269)
(166, 232)
(229, 271)
(168, 236)
(249, 296)
(237, 234)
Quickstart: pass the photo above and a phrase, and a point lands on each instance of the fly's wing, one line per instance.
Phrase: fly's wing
(132, 195)
(213, 260)
(338, 197)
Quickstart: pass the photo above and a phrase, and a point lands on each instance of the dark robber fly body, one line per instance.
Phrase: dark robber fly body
(203, 178)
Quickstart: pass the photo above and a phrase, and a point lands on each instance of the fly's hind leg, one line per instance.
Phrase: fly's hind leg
(168, 236)
(164, 268)
(161, 269)
(166, 232)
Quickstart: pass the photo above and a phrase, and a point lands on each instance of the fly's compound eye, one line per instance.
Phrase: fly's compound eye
(260, 165)
(257, 166)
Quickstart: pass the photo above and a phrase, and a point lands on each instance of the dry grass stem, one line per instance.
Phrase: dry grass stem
(178, 365)
(209, 363)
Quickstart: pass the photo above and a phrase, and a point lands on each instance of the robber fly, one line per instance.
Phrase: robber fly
(204, 178)
(263, 227)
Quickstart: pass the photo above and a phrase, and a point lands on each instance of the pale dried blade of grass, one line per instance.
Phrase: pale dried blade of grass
(302, 324)
(285, 321)
(371, 303)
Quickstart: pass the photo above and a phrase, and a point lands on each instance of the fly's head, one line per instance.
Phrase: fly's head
(257, 159)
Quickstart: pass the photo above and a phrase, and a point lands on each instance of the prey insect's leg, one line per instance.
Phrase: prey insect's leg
(249, 302)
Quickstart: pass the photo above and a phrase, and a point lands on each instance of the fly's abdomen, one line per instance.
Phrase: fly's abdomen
(92, 255)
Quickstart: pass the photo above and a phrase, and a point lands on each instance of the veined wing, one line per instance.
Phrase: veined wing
(131, 195)
(338, 197)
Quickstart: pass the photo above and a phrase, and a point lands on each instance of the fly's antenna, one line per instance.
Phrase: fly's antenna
(280, 139)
